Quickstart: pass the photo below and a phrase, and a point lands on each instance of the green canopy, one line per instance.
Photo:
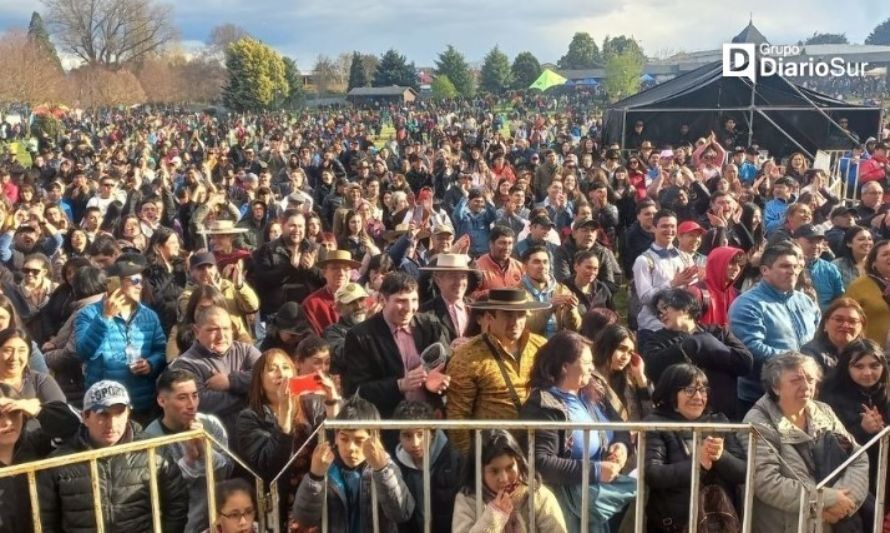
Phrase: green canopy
(546, 80)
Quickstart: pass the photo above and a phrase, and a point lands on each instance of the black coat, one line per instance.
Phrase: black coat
(439, 309)
(374, 361)
(164, 288)
(715, 350)
(553, 448)
(56, 420)
(635, 242)
(66, 498)
(445, 480)
(669, 468)
(277, 281)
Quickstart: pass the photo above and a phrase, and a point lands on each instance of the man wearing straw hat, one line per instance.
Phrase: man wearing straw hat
(489, 374)
(451, 274)
(320, 307)
(221, 235)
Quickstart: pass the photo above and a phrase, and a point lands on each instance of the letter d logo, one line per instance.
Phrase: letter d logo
(738, 61)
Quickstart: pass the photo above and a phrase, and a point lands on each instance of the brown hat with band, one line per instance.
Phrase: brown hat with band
(338, 256)
(509, 300)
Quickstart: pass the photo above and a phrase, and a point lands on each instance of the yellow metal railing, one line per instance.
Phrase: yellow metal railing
(149, 446)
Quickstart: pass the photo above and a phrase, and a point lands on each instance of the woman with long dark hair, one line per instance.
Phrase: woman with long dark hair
(871, 290)
(857, 243)
(58, 308)
(619, 373)
(166, 275)
(749, 232)
(842, 323)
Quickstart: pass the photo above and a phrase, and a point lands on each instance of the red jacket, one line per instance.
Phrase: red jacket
(321, 310)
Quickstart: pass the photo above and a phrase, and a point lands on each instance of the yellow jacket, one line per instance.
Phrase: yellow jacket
(867, 292)
(241, 302)
(567, 317)
(478, 390)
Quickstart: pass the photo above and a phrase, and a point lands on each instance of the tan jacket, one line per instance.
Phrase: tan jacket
(567, 317)
(241, 302)
(548, 515)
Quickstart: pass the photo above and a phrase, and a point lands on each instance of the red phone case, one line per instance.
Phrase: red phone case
(304, 384)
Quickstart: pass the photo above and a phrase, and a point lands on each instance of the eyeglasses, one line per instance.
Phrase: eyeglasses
(848, 321)
(32, 271)
(108, 185)
(135, 280)
(692, 390)
(238, 516)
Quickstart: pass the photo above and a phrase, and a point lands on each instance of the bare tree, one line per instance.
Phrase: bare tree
(96, 86)
(369, 63)
(223, 35)
(110, 33)
(326, 75)
(30, 73)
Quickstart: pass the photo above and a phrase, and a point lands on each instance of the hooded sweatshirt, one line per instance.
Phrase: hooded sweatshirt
(720, 289)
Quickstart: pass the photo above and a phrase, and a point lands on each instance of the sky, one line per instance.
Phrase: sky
(421, 29)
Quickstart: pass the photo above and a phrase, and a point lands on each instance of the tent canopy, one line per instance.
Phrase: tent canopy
(546, 80)
(779, 115)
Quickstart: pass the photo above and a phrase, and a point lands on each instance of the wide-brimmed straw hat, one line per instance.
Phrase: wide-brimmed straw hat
(450, 263)
(338, 256)
(221, 227)
(509, 300)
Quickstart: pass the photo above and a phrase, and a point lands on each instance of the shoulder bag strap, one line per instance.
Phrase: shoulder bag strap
(500, 361)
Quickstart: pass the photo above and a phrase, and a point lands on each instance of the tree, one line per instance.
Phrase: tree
(369, 63)
(29, 72)
(295, 94)
(623, 73)
(203, 78)
(357, 75)
(256, 76)
(442, 88)
(96, 87)
(525, 70)
(394, 69)
(613, 46)
(110, 33)
(38, 35)
(496, 76)
(160, 80)
(225, 34)
(827, 38)
(451, 63)
(880, 35)
(583, 53)
(326, 75)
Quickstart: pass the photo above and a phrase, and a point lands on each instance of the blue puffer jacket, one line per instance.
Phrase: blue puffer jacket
(774, 214)
(770, 323)
(827, 280)
(101, 344)
(476, 225)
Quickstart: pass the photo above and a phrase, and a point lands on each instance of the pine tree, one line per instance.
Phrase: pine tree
(525, 69)
(357, 77)
(880, 35)
(294, 84)
(451, 63)
(443, 88)
(496, 76)
(394, 69)
(38, 34)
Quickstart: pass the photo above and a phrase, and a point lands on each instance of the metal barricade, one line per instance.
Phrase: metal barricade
(478, 426)
(149, 446)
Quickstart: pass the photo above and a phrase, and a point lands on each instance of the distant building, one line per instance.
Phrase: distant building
(381, 95)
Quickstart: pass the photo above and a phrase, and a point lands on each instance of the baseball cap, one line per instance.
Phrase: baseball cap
(104, 394)
(808, 231)
(586, 223)
(128, 264)
(202, 258)
(350, 293)
(688, 227)
(843, 210)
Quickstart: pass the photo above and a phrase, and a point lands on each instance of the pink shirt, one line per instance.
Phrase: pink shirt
(411, 359)
(458, 313)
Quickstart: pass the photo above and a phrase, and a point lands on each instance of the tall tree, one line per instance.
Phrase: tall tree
(256, 76)
(880, 35)
(443, 88)
(623, 73)
(225, 34)
(38, 35)
(613, 46)
(110, 33)
(357, 75)
(96, 86)
(29, 72)
(525, 69)
(582, 53)
(369, 63)
(495, 75)
(326, 75)
(827, 38)
(394, 69)
(294, 95)
(452, 63)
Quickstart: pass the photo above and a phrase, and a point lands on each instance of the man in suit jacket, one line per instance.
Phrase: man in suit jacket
(451, 275)
(383, 352)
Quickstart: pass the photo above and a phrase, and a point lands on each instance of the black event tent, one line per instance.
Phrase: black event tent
(779, 115)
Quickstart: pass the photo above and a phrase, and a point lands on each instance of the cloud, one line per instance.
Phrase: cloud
(421, 30)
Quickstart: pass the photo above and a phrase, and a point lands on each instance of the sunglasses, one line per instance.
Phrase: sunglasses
(32, 271)
(134, 280)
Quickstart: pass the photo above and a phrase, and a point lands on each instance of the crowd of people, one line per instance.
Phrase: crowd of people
(255, 275)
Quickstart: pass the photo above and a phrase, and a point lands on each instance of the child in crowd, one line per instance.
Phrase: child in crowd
(356, 459)
(505, 492)
(313, 354)
(445, 468)
(236, 510)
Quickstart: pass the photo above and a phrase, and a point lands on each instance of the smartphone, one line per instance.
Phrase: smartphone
(304, 384)
(418, 215)
(112, 284)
